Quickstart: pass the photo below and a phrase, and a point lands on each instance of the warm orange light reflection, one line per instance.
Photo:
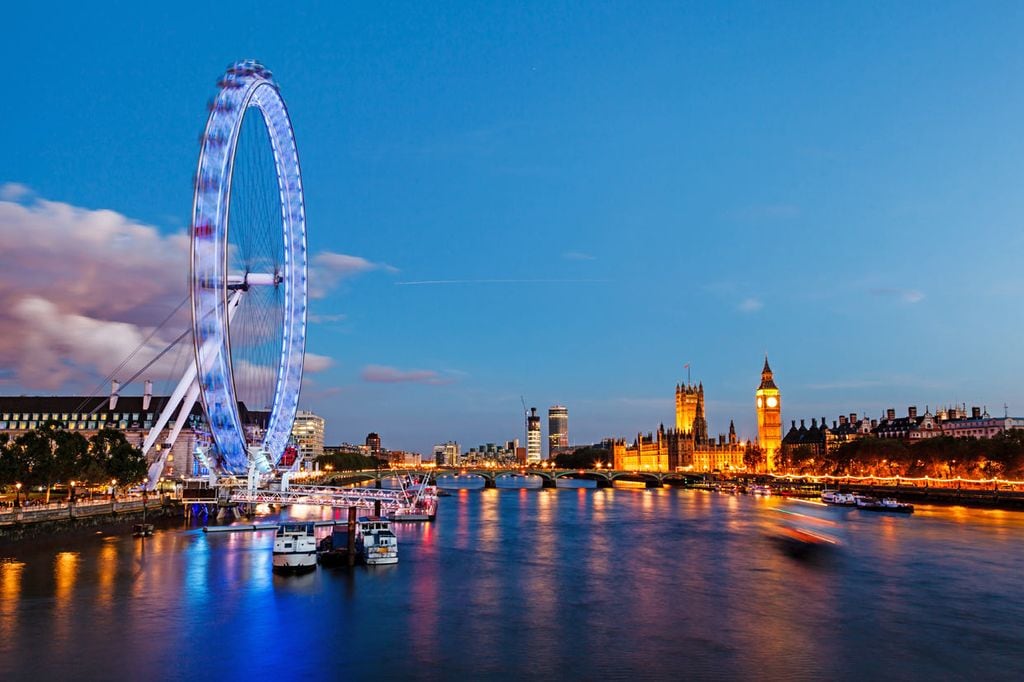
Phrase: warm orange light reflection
(10, 592)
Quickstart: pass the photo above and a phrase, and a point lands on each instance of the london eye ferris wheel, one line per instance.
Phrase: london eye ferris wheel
(248, 269)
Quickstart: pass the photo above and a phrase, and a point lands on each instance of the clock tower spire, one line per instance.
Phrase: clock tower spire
(768, 402)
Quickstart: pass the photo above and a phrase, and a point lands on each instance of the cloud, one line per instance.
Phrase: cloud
(910, 296)
(316, 363)
(53, 348)
(750, 305)
(80, 289)
(14, 191)
(384, 374)
(328, 269)
(319, 319)
(577, 255)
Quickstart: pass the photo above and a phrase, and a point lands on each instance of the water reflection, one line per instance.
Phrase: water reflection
(11, 571)
(538, 583)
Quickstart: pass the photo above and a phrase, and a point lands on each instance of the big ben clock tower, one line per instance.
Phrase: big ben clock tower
(769, 416)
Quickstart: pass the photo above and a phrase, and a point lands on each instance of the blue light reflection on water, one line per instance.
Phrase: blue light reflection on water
(571, 582)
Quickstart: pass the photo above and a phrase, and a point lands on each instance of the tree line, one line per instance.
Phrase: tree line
(1001, 456)
(49, 455)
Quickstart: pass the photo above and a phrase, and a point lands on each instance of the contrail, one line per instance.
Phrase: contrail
(501, 281)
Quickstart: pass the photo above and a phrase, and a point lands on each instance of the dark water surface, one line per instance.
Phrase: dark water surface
(581, 584)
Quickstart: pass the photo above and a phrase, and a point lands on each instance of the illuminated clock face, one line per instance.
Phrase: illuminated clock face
(759, 402)
(773, 401)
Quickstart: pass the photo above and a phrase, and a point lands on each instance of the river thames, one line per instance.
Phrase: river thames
(581, 584)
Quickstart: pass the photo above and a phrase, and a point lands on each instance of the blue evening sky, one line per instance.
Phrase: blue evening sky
(836, 184)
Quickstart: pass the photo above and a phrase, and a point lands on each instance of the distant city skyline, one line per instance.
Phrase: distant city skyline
(562, 203)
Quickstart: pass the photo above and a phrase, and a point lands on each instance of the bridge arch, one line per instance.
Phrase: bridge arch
(639, 476)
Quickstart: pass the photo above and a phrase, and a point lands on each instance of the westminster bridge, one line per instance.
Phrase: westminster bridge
(490, 475)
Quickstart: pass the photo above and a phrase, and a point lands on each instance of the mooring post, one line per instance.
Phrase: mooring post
(351, 536)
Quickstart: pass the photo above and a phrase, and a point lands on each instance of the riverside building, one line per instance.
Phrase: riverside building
(558, 429)
(447, 454)
(686, 447)
(308, 434)
(533, 437)
(768, 402)
(133, 415)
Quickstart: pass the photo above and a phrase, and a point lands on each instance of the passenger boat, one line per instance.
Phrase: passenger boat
(760, 490)
(837, 498)
(802, 535)
(800, 542)
(886, 504)
(142, 530)
(375, 542)
(294, 548)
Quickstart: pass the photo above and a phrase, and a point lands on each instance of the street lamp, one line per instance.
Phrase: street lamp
(17, 495)
(71, 491)
(113, 489)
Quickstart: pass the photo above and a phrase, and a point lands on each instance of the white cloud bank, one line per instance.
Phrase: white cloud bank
(80, 289)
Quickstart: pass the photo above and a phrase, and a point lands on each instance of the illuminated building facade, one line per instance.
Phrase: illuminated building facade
(768, 402)
(686, 404)
(533, 439)
(308, 434)
(558, 429)
(447, 454)
(685, 447)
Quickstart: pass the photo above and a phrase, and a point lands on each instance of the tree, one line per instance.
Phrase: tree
(347, 461)
(753, 458)
(584, 458)
(119, 460)
(35, 450)
(71, 456)
(9, 462)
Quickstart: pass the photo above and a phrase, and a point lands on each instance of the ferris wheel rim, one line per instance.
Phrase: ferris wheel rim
(246, 85)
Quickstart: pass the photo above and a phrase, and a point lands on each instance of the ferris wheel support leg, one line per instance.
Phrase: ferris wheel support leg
(156, 469)
(187, 381)
(187, 389)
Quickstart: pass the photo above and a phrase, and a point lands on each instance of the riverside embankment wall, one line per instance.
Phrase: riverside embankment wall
(30, 523)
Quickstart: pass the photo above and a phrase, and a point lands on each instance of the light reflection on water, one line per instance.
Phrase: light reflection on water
(617, 582)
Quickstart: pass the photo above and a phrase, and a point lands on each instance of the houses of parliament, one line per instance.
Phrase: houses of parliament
(687, 447)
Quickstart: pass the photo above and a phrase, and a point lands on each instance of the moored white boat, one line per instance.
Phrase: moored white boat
(886, 504)
(294, 548)
(375, 541)
(837, 498)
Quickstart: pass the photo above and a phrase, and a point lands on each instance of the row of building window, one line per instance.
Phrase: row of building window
(73, 416)
(71, 426)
